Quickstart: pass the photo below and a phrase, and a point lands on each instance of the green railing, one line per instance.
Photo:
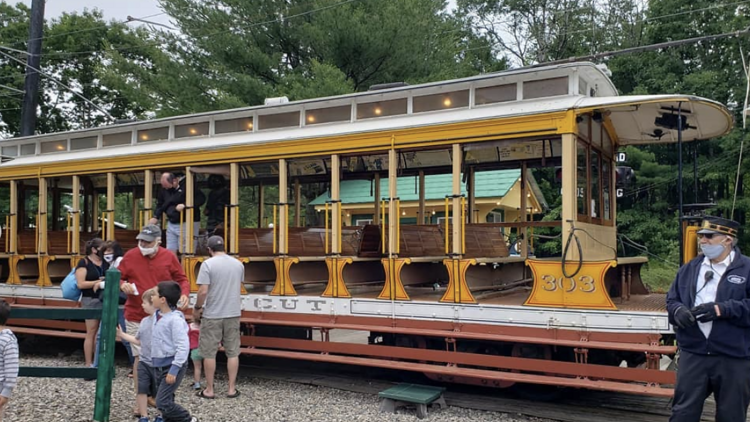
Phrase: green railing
(106, 371)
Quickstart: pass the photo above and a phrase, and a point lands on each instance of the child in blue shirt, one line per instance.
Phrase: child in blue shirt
(170, 347)
(143, 338)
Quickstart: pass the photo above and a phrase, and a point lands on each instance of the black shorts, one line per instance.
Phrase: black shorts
(146, 380)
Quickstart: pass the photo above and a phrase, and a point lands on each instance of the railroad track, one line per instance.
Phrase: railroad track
(574, 406)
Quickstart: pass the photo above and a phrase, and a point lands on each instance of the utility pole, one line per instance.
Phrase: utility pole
(31, 86)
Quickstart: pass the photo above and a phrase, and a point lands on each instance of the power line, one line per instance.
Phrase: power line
(635, 191)
(10, 88)
(94, 28)
(61, 84)
(686, 12)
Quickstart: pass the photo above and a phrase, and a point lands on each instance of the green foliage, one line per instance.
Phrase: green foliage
(233, 53)
(72, 49)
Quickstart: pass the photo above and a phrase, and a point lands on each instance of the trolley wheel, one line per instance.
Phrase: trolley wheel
(536, 391)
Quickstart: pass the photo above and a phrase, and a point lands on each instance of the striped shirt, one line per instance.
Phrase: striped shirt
(8, 362)
(144, 335)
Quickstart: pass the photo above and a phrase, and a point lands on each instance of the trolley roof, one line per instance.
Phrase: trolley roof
(582, 87)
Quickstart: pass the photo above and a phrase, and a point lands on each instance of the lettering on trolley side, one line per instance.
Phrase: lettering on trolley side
(583, 283)
(309, 305)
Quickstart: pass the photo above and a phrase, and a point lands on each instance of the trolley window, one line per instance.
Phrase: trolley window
(495, 94)
(88, 142)
(54, 146)
(244, 124)
(276, 121)
(114, 139)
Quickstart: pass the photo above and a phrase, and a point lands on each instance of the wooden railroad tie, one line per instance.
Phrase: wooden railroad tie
(420, 396)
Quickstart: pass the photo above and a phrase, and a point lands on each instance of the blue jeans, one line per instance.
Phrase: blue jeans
(176, 231)
(121, 321)
(170, 411)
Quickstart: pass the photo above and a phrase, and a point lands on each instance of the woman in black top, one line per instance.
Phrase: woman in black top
(89, 273)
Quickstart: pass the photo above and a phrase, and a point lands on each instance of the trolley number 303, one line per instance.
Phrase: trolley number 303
(583, 283)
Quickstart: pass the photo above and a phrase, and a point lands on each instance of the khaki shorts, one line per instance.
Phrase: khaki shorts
(218, 332)
(132, 328)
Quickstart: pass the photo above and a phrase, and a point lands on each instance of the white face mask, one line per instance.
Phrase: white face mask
(109, 257)
(147, 251)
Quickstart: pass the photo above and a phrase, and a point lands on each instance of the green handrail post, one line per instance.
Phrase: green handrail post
(106, 370)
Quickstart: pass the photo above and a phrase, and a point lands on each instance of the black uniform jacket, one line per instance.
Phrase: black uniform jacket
(730, 335)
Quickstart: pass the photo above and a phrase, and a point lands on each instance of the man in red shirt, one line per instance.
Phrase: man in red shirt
(142, 269)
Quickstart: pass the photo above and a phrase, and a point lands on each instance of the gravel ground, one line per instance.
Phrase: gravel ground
(52, 400)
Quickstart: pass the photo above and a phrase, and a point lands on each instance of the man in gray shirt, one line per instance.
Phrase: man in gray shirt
(219, 307)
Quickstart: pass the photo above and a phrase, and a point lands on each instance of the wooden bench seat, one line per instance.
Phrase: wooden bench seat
(58, 242)
(309, 242)
(27, 243)
(126, 238)
(421, 241)
(485, 241)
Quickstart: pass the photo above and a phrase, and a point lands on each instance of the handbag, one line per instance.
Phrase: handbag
(70, 288)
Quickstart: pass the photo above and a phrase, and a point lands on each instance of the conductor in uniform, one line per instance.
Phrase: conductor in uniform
(709, 306)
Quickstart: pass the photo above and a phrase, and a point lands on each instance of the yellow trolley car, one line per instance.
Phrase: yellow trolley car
(439, 292)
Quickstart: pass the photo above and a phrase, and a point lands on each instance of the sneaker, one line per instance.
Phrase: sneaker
(197, 386)
(158, 419)
(194, 419)
(143, 419)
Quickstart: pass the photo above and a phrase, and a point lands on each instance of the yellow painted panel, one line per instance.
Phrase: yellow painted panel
(586, 290)
(691, 243)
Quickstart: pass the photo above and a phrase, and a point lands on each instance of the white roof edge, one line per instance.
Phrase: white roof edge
(589, 66)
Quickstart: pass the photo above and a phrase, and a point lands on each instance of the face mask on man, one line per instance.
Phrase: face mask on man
(712, 251)
(109, 257)
(147, 251)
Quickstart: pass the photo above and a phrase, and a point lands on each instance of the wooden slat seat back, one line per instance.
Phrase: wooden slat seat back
(485, 241)
(255, 242)
(419, 241)
(26, 242)
(57, 242)
(369, 243)
(126, 238)
(358, 241)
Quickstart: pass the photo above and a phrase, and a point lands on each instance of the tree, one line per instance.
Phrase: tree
(538, 31)
(232, 53)
(72, 50)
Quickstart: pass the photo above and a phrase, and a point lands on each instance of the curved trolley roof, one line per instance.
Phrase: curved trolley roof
(580, 87)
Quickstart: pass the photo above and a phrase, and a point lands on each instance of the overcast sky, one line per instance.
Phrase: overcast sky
(117, 9)
(112, 9)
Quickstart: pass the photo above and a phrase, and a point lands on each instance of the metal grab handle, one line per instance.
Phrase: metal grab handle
(325, 217)
(447, 227)
(275, 247)
(382, 224)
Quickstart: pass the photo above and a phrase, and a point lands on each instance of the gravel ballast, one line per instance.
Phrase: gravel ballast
(60, 399)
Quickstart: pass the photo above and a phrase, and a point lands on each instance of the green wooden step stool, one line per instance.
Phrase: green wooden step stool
(420, 396)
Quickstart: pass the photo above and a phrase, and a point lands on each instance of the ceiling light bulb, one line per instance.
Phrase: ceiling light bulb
(378, 111)
(311, 118)
(193, 131)
(144, 137)
(447, 102)
(403, 212)
(60, 147)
